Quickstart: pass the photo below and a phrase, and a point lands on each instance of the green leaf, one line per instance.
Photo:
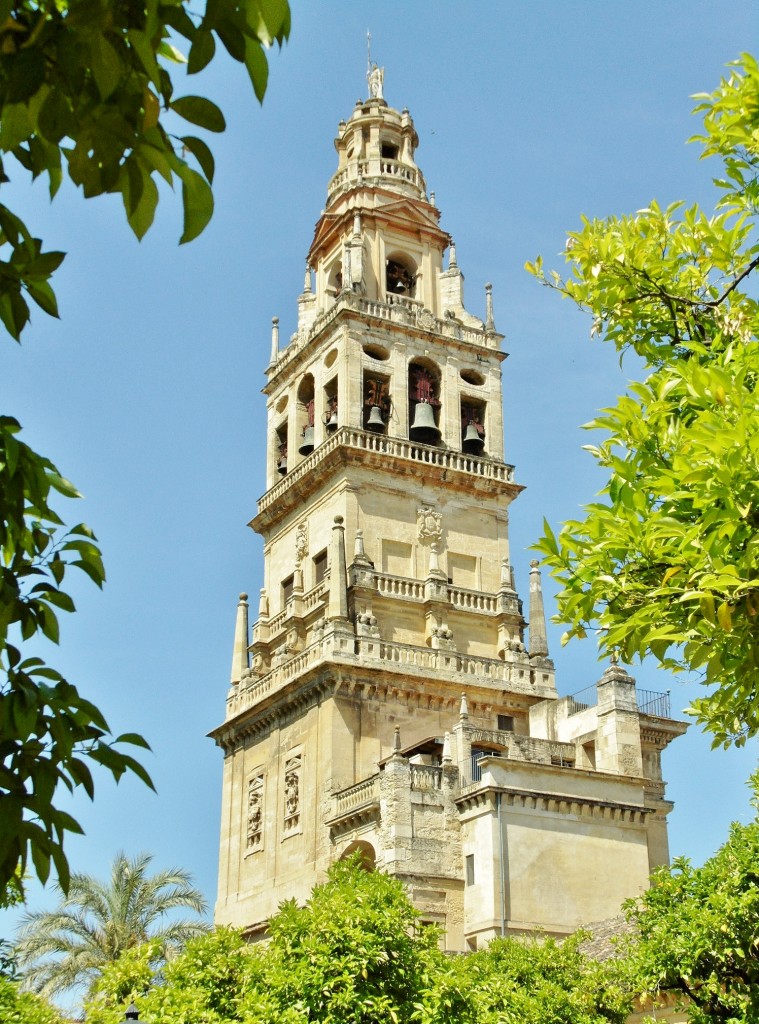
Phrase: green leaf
(107, 67)
(201, 52)
(197, 199)
(202, 154)
(44, 296)
(257, 65)
(15, 125)
(200, 111)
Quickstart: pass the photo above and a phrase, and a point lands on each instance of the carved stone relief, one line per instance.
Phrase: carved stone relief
(429, 524)
(301, 541)
(255, 812)
(292, 793)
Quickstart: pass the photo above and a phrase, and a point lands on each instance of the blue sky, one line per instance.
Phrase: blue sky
(147, 392)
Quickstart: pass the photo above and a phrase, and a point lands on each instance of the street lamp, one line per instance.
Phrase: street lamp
(131, 1013)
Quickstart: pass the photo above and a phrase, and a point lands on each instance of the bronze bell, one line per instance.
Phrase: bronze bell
(332, 423)
(375, 421)
(423, 429)
(282, 465)
(307, 444)
(473, 443)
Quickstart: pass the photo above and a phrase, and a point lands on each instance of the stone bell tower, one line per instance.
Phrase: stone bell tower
(388, 700)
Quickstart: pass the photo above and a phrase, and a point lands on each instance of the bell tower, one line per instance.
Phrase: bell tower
(388, 700)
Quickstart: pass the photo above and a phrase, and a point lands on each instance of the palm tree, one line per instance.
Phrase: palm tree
(97, 921)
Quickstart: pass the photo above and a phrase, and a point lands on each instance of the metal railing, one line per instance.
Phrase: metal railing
(652, 703)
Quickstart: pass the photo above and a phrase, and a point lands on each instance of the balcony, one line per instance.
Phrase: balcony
(392, 447)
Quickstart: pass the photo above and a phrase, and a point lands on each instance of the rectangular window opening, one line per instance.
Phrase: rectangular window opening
(320, 567)
(506, 723)
(469, 861)
(287, 590)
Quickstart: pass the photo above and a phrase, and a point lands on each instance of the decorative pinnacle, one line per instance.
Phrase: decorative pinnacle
(489, 321)
(397, 741)
(463, 707)
(274, 340)
(452, 256)
(538, 637)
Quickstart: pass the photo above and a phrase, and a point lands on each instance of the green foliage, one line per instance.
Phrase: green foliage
(356, 954)
(47, 730)
(698, 931)
(98, 922)
(17, 1007)
(526, 981)
(86, 88)
(667, 562)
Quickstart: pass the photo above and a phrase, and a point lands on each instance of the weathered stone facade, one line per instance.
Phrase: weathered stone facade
(387, 701)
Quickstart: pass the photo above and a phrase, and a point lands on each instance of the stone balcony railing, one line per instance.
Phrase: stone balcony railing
(404, 659)
(366, 170)
(392, 311)
(394, 447)
(426, 777)
(346, 801)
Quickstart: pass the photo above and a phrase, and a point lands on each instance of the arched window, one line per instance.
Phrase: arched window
(305, 413)
(424, 402)
(400, 277)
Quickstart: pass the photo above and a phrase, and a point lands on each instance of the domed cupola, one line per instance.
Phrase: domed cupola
(376, 147)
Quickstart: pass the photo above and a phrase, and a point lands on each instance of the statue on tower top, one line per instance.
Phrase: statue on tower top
(375, 75)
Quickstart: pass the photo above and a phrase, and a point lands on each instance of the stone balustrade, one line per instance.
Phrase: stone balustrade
(426, 776)
(366, 169)
(347, 800)
(395, 447)
(399, 586)
(403, 658)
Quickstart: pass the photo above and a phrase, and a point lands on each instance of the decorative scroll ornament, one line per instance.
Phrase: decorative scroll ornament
(301, 541)
(255, 811)
(429, 524)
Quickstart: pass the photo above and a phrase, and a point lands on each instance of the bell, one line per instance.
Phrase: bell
(375, 421)
(307, 444)
(282, 465)
(473, 443)
(423, 428)
(332, 423)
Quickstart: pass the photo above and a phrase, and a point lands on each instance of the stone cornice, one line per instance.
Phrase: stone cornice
(400, 671)
(350, 307)
(484, 795)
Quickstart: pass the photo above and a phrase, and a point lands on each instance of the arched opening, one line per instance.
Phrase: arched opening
(376, 409)
(424, 402)
(280, 448)
(305, 415)
(400, 277)
(366, 852)
(472, 426)
(335, 279)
